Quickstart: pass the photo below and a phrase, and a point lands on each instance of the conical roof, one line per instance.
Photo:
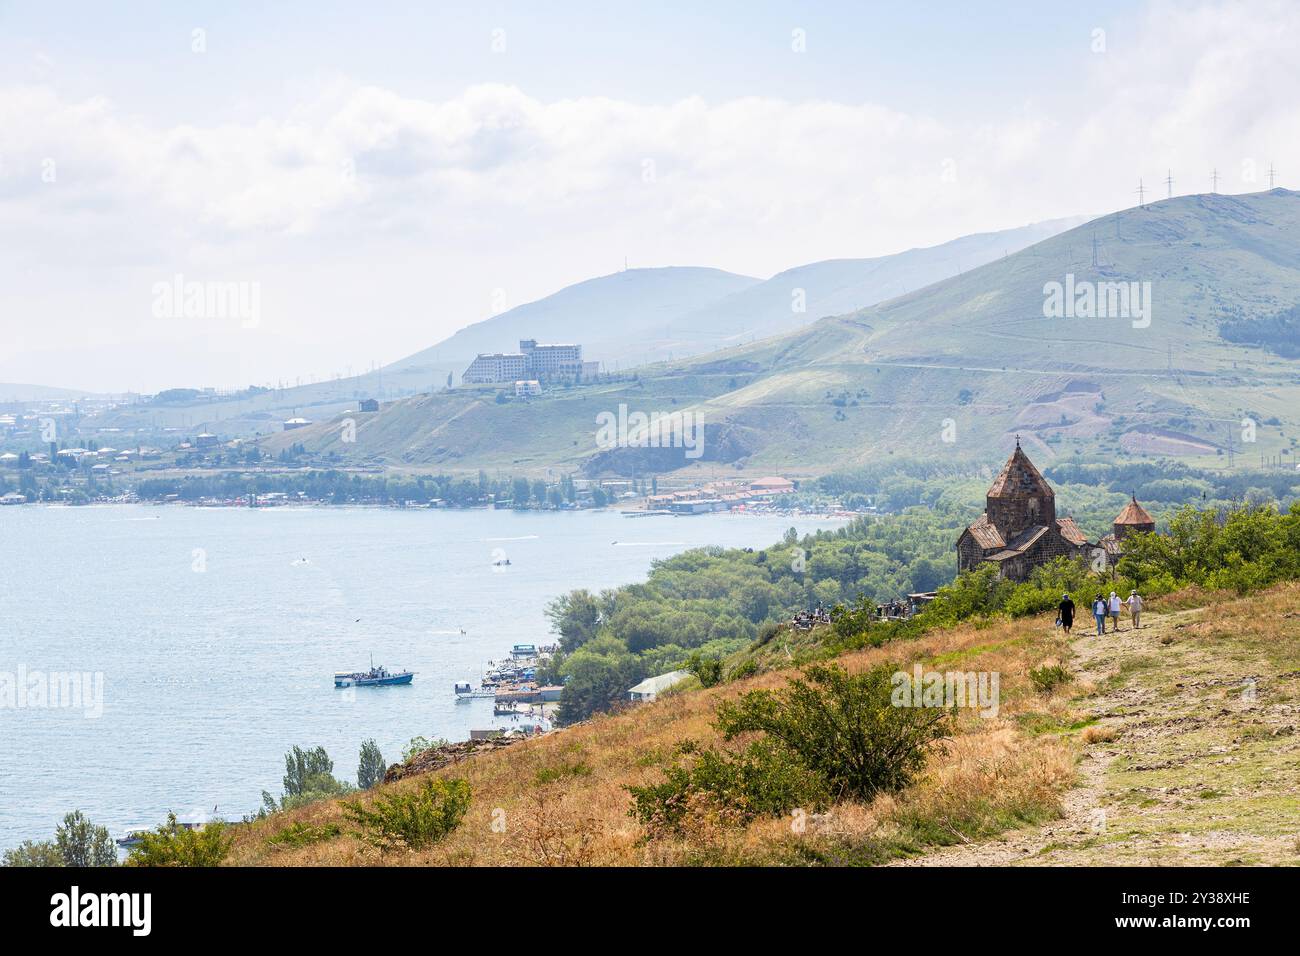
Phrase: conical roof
(1020, 479)
(1134, 513)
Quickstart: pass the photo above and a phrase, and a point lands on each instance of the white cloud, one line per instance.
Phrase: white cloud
(495, 188)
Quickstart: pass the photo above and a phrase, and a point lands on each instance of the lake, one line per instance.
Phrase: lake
(216, 633)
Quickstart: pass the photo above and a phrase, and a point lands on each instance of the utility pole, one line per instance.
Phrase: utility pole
(1271, 173)
(1214, 180)
(1169, 183)
(1141, 191)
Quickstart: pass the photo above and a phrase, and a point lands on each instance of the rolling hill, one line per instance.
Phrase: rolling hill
(625, 319)
(952, 370)
(644, 315)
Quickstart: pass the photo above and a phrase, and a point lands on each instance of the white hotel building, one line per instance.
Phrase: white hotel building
(532, 361)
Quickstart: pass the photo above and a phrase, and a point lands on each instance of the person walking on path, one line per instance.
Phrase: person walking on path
(1065, 614)
(1099, 612)
(1115, 606)
(1134, 603)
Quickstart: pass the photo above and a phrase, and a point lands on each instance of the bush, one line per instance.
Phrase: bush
(746, 668)
(303, 834)
(174, 845)
(411, 820)
(707, 670)
(1048, 677)
(761, 780)
(842, 727)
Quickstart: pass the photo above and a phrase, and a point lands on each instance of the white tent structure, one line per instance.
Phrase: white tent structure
(651, 687)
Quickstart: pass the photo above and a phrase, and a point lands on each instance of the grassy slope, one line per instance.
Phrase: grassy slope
(1154, 735)
(1065, 384)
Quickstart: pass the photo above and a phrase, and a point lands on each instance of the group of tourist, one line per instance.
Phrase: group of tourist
(895, 609)
(1102, 608)
(805, 620)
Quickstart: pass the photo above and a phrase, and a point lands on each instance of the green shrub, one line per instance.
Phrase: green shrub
(174, 845)
(303, 834)
(414, 819)
(707, 670)
(760, 780)
(1048, 677)
(747, 668)
(842, 727)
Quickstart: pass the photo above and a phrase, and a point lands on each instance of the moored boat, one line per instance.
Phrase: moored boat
(375, 677)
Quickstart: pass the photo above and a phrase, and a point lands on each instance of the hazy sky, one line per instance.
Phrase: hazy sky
(385, 173)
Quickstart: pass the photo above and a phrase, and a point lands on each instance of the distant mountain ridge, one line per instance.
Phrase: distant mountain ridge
(644, 315)
(954, 369)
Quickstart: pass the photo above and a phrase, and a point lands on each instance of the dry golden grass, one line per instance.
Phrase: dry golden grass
(991, 775)
(1097, 734)
(561, 799)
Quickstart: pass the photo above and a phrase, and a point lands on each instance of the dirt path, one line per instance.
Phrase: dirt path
(1202, 711)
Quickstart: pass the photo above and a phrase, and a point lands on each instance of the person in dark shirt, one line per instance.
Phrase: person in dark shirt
(1065, 611)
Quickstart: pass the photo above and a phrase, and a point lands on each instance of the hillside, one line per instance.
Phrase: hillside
(950, 371)
(1171, 745)
(625, 319)
(839, 286)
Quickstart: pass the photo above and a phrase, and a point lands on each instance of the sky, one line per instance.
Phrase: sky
(368, 178)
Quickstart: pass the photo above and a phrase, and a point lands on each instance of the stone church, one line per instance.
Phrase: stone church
(1019, 529)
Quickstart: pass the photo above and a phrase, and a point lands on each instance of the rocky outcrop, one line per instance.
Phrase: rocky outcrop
(435, 758)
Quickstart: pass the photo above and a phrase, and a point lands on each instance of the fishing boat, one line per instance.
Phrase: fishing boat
(375, 677)
(466, 691)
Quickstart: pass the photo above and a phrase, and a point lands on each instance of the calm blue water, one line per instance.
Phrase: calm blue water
(211, 675)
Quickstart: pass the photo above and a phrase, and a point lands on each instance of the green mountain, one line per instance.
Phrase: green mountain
(954, 370)
(951, 371)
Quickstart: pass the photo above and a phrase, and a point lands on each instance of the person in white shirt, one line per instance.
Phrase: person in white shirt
(1115, 605)
(1134, 603)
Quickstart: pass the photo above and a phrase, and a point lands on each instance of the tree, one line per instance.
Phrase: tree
(81, 843)
(34, 853)
(308, 777)
(304, 768)
(519, 492)
(372, 768)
